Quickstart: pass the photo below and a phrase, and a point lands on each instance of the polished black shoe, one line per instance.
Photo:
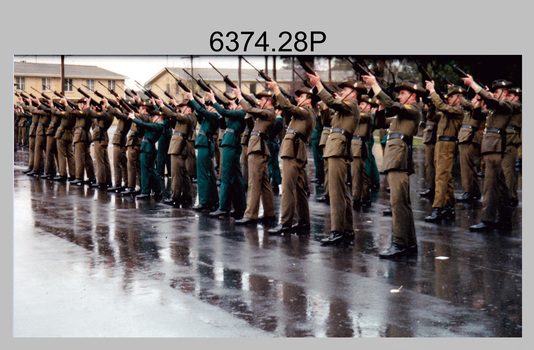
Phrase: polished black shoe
(268, 220)
(60, 178)
(482, 226)
(78, 182)
(219, 213)
(72, 178)
(280, 229)
(448, 213)
(172, 202)
(128, 191)
(36, 174)
(27, 171)
(143, 196)
(323, 199)
(514, 202)
(237, 214)
(435, 215)
(314, 180)
(201, 207)
(99, 186)
(115, 189)
(301, 228)
(465, 197)
(90, 182)
(335, 237)
(158, 196)
(396, 251)
(426, 193)
(387, 212)
(246, 221)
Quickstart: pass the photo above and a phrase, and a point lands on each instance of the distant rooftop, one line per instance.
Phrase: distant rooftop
(71, 71)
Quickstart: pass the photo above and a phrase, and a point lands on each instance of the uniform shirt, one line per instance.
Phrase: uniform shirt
(449, 123)
(152, 133)
(497, 119)
(231, 120)
(264, 120)
(209, 124)
(183, 129)
(513, 130)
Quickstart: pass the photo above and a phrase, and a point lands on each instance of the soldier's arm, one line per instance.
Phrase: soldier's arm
(493, 103)
(296, 112)
(455, 112)
(231, 114)
(343, 107)
(264, 114)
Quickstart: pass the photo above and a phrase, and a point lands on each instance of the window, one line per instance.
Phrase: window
(68, 85)
(45, 84)
(90, 83)
(111, 85)
(20, 83)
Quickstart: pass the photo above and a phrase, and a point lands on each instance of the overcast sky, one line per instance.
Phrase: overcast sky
(142, 68)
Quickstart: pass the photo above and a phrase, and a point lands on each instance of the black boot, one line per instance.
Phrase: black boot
(435, 215)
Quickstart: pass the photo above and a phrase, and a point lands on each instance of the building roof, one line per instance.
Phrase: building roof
(282, 75)
(27, 69)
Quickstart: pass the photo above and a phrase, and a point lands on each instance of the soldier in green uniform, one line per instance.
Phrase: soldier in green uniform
(150, 181)
(317, 151)
(513, 141)
(496, 197)
(232, 122)
(294, 159)
(273, 144)
(338, 155)
(258, 156)
(447, 135)
(398, 162)
(182, 123)
(208, 197)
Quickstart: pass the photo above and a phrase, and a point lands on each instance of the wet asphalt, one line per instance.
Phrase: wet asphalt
(236, 281)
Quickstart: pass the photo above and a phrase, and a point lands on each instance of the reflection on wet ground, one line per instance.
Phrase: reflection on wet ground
(462, 284)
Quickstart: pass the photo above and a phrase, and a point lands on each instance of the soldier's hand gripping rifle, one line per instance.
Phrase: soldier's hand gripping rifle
(426, 77)
(362, 69)
(200, 83)
(215, 95)
(183, 86)
(262, 74)
(73, 105)
(310, 70)
(462, 74)
(92, 102)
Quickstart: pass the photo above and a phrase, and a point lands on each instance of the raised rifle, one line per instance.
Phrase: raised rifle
(73, 105)
(56, 104)
(362, 69)
(310, 70)
(427, 77)
(111, 102)
(462, 74)
(217, 97)
(262, 74)
(225, 77)
(92, 101)
(199, 83)
(179, 82)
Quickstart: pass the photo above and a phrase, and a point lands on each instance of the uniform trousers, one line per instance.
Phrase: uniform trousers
(244, 164)
(508, 168)
(430, 167)
(39, 154)
(294, 197)
(259, 187)
(232, 184)
(134, 168)
(401, 207)
(496, 195)
(103, 167)
(83, 161)
(51, 156)
(180, 179)
(318, 160)
(120, 165)
(340, 199)
(443, 160)
(65, 157)
(360, 179)
(149, 176)
(206, 181)
(31, 147)
(468, 168)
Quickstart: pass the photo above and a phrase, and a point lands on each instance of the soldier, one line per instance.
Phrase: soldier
(120, 160)
(361, 196)
(30, 108)
(232, 193)
(429, 138)
(208, 198)
(338, 155)
(496, 198)
(468, 145)
(294, 159)
(23, 126)
(183, 123)
(51, 145)
(65, 149)
(398, 163)
(163, 159)
(325, 116)
(513, 141)
(103, 121)
(258, 156)
(150, 181)
(447, 134)
(370, 162)
(273, 144)
(317, 151)
(45, 116)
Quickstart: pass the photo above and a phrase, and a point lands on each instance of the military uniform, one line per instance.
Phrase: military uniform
(232, 192)
(496, 198)
(468, 146)
(82, 141)
(208, 198)
(317, 151)
(338, 156)
(513, 141)
(360, 179)
(294, 159)
(40, 139)
(429, 140)
(273, 165)
(32, 166)
(103, 121)
(163, 159)
(325, 116)
(183, 125)
(51, 146)
(398, 165)
(65, 149)
(447, 136)
(120, 160)
(258, 156)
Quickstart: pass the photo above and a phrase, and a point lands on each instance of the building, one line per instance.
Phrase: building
(35, 78)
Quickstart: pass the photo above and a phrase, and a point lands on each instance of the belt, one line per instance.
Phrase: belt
(356, 137)
(494, 130)
(403, 137)
(431, 127)
(296, 132)
(179, 133)
(52, 123)
(447, 138)
(328, 128)
(258, 133)
(207, 134)
(79, 127)
(345, 133)
(513, 127)
(146, 140)
(468, 126)
(230, 130)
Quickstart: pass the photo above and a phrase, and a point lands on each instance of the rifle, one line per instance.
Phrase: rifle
(179, 82)
(56, 104)
(310, 70)
(92, 101)
(165, 92)
(199, 83)
(111, 91)
(268, 78)
(426, 77)
(217, 98)
(111, 102)
(225, 78)
(462, 74)
(304, 81)
(362, 69)
(70, 103)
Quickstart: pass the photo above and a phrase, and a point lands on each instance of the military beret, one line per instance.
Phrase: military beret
(265, 93)
(356, 85)
(501, 84)
(410, 86)
(455, 89)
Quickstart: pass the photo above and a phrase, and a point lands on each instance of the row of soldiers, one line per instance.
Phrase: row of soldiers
(347, 119)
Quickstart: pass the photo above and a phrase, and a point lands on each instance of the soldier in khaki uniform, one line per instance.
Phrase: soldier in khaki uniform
(40, 139)
(468, 146)
(103, 121)
(51, 145)
(338, 155)
(429, 140)
(513, 141)
(120, 160)
(361, 196)
(30, 107)
(258, 156)
(496, 198)
(65, 150)
(398, 163)
(294, 159)
(325, 116)
(447, 135)
(182, 123)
